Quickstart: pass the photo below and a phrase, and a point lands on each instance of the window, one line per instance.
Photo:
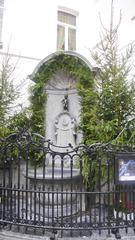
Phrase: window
(1, 20)
(66, 31)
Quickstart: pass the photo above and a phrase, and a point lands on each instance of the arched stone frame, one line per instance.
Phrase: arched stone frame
(51, 56)
(80, 63)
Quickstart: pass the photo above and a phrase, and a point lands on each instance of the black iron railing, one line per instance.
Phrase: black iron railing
(71, 191)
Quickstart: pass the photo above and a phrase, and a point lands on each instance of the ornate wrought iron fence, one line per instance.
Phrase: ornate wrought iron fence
(73, 191)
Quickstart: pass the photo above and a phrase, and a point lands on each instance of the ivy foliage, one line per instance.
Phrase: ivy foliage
(84, 85)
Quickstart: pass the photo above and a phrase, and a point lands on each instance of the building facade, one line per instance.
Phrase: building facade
(32, 30)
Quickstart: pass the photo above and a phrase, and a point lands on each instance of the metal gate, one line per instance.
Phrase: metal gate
(71, 191)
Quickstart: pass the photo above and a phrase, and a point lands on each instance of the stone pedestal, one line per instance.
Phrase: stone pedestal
(56, 193)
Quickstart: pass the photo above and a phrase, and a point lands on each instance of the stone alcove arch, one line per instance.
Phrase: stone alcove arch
(60, 74)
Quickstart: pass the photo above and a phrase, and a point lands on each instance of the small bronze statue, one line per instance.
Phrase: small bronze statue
(65, 103)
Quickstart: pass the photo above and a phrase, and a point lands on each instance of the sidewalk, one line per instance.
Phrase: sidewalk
(9, 235)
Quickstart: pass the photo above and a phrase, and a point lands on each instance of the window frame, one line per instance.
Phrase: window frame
(67, 27)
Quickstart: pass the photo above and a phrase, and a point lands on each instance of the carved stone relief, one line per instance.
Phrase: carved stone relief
(65, 127)
(62, 110)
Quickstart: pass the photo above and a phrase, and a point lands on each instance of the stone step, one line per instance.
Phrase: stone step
(9, 235)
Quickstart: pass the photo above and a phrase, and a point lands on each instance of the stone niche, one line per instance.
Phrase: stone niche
(62, 110)
(62, 173)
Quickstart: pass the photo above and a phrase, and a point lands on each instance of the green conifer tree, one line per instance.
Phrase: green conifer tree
(8, 93)
(115, 86)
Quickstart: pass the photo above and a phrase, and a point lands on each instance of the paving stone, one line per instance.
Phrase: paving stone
(6, 235)
(10, 235)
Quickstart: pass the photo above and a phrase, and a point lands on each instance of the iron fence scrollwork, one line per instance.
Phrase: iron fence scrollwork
(43, 187)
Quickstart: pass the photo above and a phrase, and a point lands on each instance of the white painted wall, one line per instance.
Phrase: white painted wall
(30, 28)
(30, 25)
